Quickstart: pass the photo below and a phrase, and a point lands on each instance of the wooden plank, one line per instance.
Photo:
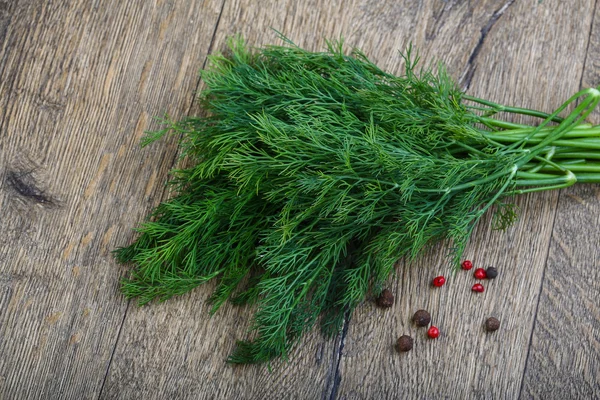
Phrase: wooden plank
(531, 54)
(564, 356)
(79, 83)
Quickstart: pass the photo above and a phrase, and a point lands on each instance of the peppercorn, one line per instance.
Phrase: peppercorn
(421, 318)
(478, 287)
(491, 272)
(385, 299)
(404, 343)
(479, 273)
(492, 324)
(433, 332)
(467, 264)
(439, 281)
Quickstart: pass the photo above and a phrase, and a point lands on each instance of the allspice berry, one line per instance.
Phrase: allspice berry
(404, 343)
(385, 299)
(492, 324)
(421, 318)
(491, 272)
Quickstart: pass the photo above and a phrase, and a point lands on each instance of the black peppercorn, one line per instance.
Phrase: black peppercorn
(422, 318)
(491, 272)
(404, 343)
(385, 299)
(492, 324)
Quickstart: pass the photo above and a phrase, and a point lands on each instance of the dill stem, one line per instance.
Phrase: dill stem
(583, 167)
(496, 108)
(558, 183)
(475, 182)
(501, 124)
(576, 154)
(513, 135)
(580, 112)
(548, 182)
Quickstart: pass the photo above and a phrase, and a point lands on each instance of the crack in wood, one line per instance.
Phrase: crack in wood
(587, 48)
(114, 350)
(439, 20)
(467, 76)
(335, 378)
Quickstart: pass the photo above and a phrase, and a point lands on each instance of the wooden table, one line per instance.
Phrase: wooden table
(81, 81)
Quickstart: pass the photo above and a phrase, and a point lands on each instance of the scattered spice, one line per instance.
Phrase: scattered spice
(421, 318)
(478, 287)
(433, 332)
(479, 273)
(491, 272)
(404, 343)
(467, 264)
(439, 281)
(492, 324)
(385, 299)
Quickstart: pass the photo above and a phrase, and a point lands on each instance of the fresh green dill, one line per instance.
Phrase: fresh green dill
(314, 172)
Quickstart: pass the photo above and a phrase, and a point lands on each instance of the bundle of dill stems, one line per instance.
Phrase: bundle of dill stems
(314, 172)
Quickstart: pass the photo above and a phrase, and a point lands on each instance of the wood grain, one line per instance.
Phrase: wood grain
(564, 356)
(79, 83)
(467, 362)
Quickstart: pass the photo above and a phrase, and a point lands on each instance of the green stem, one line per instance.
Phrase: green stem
(590, 143)
(540, 185)
(585, 143)
(501, 124)
(568, 179)
(547, 161)
(587, 167)
(588, 155)
(467, 185)
(588, 178)
(582, 177)
(524, 129)
(578, 115)
(514, 110)
(534, 175)
(511, 135)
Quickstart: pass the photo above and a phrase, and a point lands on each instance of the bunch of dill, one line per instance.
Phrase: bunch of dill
(313, 173)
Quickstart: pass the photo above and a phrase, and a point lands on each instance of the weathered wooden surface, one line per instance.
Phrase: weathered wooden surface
(564, 355)
(80, 82)
(78, 85)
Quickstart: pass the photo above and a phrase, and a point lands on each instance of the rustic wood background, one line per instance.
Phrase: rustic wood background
(80, 82)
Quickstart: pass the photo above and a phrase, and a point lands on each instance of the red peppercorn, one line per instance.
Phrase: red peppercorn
(439, 281)
(467, 265)
(433, 332)
(478, 287)
(480, 273)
